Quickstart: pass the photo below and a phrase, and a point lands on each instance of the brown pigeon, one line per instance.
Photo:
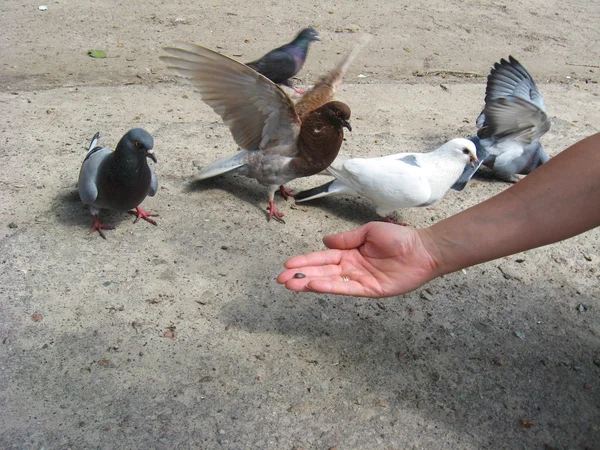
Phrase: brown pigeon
(276, 144)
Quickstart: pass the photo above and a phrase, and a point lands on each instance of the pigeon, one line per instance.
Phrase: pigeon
(402, 180)
(118, 180)
(510, 126)
(276, 145)
(281, 64)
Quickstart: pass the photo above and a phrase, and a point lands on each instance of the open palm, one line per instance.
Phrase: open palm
(375, 260)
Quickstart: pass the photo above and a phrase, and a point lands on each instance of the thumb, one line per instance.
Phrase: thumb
(348, 240)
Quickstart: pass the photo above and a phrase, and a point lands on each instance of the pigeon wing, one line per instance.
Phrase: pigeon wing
(153, 184)
(258, 113)
(515, 118)
(510, 78)
(324, 90)
(396, 181)
(88, 191)
(278, 66)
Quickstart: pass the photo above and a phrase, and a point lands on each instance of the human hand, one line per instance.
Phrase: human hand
(378, 260)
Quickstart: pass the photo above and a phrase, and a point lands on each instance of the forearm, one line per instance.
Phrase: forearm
(558, 200)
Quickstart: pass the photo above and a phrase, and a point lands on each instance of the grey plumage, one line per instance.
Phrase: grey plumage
(282, 63)
(510, 126)
(118, 180)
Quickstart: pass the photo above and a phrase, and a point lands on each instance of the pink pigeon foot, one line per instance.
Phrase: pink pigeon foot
(390, 220)
(99, 226)
(274, 213)
(285, 193)
(298, 90)
(141, 214)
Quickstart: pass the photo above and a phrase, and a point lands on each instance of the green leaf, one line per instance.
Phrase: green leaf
(97, 53)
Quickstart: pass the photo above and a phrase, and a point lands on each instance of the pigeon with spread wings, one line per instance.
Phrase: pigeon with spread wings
(510, 126)
(276, 144)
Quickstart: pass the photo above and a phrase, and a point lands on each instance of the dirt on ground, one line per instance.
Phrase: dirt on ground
(177, 336)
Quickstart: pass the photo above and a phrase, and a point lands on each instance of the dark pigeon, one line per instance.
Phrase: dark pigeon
(510, 126)
(283, 63)
(118, 180)
(276, 145)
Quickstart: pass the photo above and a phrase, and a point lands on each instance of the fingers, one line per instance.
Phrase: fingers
(314, 259)
(330, 285)
(348, 240)
(310, 272)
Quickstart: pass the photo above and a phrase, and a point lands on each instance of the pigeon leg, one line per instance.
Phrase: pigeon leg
(391, 220)
(298, 90)
(141, 214)
(99, 226)
(285, 193)
(274, 213)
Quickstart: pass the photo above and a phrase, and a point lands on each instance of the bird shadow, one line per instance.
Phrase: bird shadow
(70, 211)
(245, 189)
(487, 175)
(357, 210)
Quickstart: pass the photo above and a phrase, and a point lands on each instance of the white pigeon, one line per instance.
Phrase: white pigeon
(398, 181)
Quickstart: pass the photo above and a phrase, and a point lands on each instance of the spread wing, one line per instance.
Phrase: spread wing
(512, 92)
(510, 78)
(324, 90)
(258, 113)
(515, 118)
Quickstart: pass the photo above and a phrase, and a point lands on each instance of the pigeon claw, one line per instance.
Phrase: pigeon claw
(99, 226)
(273, 213)
(141, 214)
(285, 193)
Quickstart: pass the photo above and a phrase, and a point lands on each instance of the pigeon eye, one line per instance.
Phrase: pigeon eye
(466, 151)
(137, 144)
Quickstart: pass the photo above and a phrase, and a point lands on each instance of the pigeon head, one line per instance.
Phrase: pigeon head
(463, 148)
(337, 113)
(307, 35)
(138, 140)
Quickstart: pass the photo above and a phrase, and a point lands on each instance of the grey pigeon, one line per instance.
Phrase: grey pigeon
(118, 180)
(398, 181)
(276, 145)
(282, 63)
(510, 126)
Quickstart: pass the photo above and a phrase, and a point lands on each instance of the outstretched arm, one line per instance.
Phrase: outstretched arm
(556, 201)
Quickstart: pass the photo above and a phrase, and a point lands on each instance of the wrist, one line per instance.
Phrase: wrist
(433, 246)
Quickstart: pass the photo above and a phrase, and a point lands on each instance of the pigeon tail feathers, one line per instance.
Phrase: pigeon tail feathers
(334, 187)
(224, 165)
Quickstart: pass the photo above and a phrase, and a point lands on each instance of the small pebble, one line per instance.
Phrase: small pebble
(299, 275)
(13, 225)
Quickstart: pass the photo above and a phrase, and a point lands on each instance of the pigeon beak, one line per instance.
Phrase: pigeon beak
(346, 124)
(474, 160)
(150, 154)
